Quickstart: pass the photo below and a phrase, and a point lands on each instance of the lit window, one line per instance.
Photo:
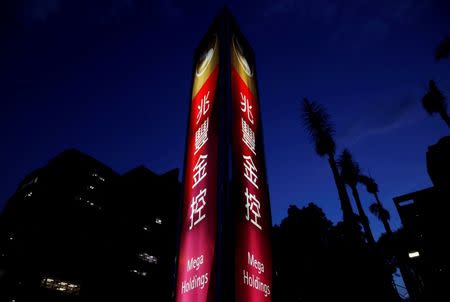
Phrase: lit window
(98, 176)
(414, 254)
(34, 180)
(90, 203)
(148, 258)
(152, 259)
(158, 221)
(139, 273)
(62, 286)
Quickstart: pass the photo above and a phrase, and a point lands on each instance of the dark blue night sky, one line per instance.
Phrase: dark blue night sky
(112, 79)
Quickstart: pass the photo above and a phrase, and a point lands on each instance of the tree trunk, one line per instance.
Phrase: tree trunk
(388, 229)
(346, 206)
(444, 115)
(385, 222)
(363, 216)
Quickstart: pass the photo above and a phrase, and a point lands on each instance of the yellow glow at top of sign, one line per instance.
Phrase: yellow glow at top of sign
(241, 58)
(204, 62)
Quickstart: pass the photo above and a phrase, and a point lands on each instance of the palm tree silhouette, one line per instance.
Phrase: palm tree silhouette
(316, 122)
(376, 208)
(443, 49)
(434, 102)
(350, 173)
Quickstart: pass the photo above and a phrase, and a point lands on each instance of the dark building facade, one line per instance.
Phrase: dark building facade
(75, 230)
(148, 234)
(424, 216)
(438, 163)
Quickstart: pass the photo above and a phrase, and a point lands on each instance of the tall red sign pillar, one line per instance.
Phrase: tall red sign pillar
(224, 248)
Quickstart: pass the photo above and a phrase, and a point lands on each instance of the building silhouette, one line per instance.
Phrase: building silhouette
(424, 215)
(75, 230)
(438, 163)
(148, 234)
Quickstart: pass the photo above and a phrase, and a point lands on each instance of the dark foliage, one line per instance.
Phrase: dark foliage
(314, 262)
(369, 182)
(379, 211)
(350, 170)
(434, 102)
(443, 49)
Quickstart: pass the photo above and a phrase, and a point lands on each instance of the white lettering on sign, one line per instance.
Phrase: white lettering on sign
(194, 263)
(201, 135)
(252, 205)
(252, 261)
(248, 136)
(194, 282)
(203, 107)
(197, 205)
(254, 282)
(247, 107)
(200, 169)
(250, 170)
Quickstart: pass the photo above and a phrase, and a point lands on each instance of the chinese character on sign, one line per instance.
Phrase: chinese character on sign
(197, 205)
(252, 204)
(246, 107)
(250, 170)
(201, 135)
(203, 107)
(248, 136)
(200, 169)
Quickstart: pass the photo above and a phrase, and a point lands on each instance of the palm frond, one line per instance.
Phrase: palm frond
(350, 170)
(369, 182)
(379, 211)
(443, 49)
(434, 100)
(316, 122)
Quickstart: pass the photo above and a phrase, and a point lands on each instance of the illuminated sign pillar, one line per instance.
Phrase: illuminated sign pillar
(224, 249)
